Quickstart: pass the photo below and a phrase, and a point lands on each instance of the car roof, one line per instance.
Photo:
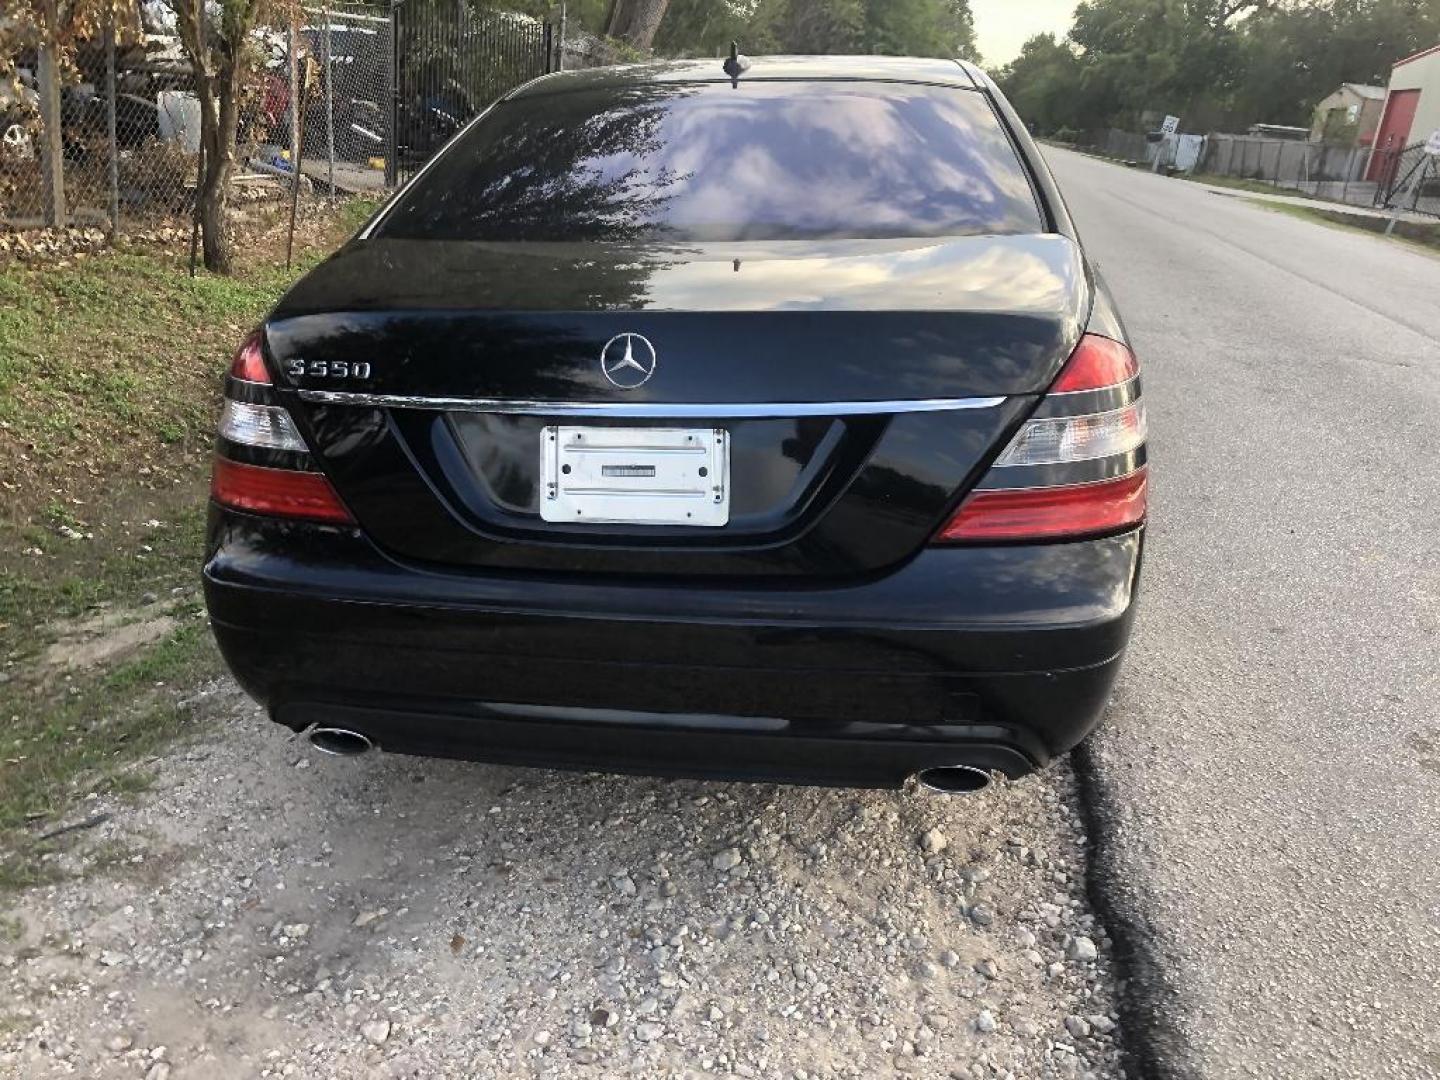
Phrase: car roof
(762, 68)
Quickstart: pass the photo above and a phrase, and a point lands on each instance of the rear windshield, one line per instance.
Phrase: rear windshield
(687, 162)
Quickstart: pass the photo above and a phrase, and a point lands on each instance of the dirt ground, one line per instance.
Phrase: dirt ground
(265, 911)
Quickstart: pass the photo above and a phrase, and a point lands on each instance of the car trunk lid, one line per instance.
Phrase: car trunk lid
(862, 387)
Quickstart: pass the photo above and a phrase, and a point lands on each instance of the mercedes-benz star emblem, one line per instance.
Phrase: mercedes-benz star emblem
(628, 360)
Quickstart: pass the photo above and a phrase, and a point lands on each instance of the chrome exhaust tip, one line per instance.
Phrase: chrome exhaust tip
(339, 742)
(953, 779)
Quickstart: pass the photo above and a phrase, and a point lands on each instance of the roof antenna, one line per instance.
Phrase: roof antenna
(736, 65)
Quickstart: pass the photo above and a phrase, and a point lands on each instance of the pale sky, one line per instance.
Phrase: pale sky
(1001, 26)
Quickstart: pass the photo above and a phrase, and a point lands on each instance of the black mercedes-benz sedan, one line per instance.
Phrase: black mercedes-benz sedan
(768, 427)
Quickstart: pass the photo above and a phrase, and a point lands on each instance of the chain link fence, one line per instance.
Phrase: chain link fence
(1358, 176)
(330, 106)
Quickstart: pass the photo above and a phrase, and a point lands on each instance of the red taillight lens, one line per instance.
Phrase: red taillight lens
(1096, 362)
(278, 492)
(249, 361)
(1048, 513)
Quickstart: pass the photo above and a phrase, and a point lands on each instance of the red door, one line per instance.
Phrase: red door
(1394, 133)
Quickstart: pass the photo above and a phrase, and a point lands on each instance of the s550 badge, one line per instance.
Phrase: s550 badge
(327, 369)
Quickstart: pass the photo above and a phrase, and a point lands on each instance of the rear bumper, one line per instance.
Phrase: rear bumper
(996, 657)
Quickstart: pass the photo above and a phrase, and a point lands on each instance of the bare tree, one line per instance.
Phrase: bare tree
(636, 21)
(218, 40)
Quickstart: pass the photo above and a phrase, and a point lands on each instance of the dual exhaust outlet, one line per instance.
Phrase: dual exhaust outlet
(944, 779)
(339, 742)
(952, 779)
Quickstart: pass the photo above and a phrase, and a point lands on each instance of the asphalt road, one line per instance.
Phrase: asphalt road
(1268, 781)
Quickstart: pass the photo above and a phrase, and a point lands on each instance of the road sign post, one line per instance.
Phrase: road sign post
(1167, 133)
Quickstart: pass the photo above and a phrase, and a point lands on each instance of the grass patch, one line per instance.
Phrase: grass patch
(108, 359)
(94, 727)
(1422, 236)
(110, 371)
(1241, 183)
(83, 576)
(112, 360)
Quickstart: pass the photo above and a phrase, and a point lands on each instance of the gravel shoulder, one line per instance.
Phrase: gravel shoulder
(270, 912)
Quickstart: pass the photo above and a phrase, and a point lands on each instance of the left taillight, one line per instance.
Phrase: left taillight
(1076, 468)
(262, 463)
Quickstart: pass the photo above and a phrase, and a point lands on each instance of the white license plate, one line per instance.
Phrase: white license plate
(635, 476)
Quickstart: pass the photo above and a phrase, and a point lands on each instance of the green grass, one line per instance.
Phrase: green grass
(1241, 183)
(88, 740)
(119, 347)
(110, 370)
(35, 593)
(97, 726)
(116, 358)
(1423, 237)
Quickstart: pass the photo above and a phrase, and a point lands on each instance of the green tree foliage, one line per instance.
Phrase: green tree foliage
(893, 27)
(705, 27)
(1043, 82)
(1217, 64)
(1292, 57)
(847, 27)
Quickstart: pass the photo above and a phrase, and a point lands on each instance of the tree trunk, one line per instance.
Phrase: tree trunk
(636, 21)
(52, 146)
(217, 129)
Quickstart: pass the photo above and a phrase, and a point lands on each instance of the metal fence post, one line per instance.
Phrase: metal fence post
(52, 151)
(113, 141)
(392, 78)
(293, 48)
(329, 70)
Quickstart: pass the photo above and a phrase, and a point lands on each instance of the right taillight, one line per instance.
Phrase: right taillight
(1076, 468)
(262, 463)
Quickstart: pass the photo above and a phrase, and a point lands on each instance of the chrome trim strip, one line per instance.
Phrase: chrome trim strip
(649, 409)
(1126, 385)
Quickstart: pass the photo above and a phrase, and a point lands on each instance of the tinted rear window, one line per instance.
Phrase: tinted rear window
(687, 162)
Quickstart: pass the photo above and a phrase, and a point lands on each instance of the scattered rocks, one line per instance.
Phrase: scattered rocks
(1101, 1023)
(119, 1043)
(642, 927)
(1077, 1026)
(1082, 948)
(375, 1032)
(727, 860)
(933, 841)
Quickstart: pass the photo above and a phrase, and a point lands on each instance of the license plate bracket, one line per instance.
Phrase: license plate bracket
(635, 475)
